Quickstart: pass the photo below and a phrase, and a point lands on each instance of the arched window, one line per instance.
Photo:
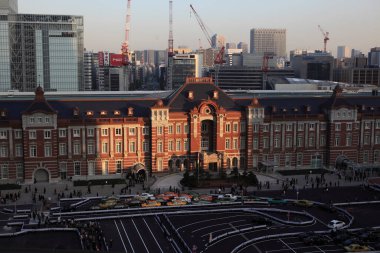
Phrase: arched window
(235, 162)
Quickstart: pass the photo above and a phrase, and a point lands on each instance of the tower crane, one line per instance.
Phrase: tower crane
(325, 39)
(220, 56)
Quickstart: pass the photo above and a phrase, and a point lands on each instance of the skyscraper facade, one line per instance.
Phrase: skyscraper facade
(268, 41)
(243, 46)
(218, 41)
(8, 7)
(343, 52)
(374, 57)
(40, 50)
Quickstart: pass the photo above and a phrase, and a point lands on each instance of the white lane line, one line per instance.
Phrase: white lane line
(133, 250)
(138, 232)
(199, 229)
(152, 235)
(121, 238)
(319, 248)
(224, 229)
(287, 245)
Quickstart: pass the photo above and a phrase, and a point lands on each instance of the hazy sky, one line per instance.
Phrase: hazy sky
(354, 23)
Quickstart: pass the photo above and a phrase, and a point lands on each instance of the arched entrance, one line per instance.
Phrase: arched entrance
(235, 163)
(207, 136)
(41, 176)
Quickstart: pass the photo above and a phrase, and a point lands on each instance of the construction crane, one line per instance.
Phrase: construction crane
(220, 56)
(325, 39)
(125, 45)
(169, 66)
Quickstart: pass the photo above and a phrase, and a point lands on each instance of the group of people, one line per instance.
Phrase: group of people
(9, 197)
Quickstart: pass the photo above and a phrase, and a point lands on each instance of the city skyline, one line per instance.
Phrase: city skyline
(107, 33)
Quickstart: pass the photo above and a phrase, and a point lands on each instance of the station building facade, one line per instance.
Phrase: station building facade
(195, 126)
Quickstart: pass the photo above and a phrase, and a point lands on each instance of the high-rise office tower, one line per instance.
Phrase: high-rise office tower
(268, 41)
(218, 41)
(40, 50)
(374, 57)
(343, 52)
(243, 46)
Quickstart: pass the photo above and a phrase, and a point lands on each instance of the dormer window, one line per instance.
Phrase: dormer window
(116, 113)
(284, 110)
(130, 111)
(295, 109)
(190, 95)
(215, 94)
(90, 113)
(103, 113)
(3, 113)
(308, 108)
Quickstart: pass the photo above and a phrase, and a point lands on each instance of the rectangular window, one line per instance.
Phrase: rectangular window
(76, 132)
(63, 170)
(146, 146)
(4, 171)
(105, 168)
(91, 168)
(32, 135)
(62, 133)
(288, 160)
(311, 141)
(132, 131)
(337, 126)
(119, 166)
(90, 132)
(228, 127)
(349, 126)
(337, 141)
(235, 143)
(47, 134)
(266, 128)
(277, 127)
(256, 128)
(159, 147)
(90, 148)
(204, 144)
(323, 126)
(77, 168)
(104, 147)
(104, 131)
(299, 159)
(186, 145)
(300, 126)
(255, 161)
(265, 142)
(365, 157)
(376, 156)
(242, 143)
(367, 139)
(145, 130)
(159, 130)
(62, 149)
(288, 142)
(19, 171)
(48, 152)
(311, 126)
(170, 129)
(18, 134)
(367, 125)
(47, 120)
(31, 120)
(243, 127)
(170, 145)
(377, 139)
(39, 120)
(228, 144)
(204, 128)
(118, 131)
(323, 140)
(378, 124)
(299, 141)
(255, 143)
(276, 160)
(277, 141)
(178, 145)
(186, 128)
(178, 129)
(348, 140)
(235, 127)
(289, 127)
(132, 147)
(3, 150)
(19, 152)
(119, 147)
(76, 148)
(33, 151)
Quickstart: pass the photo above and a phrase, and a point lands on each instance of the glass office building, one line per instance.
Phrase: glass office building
(41, 50)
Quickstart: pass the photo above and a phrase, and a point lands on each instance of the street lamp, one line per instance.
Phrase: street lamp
(297, 193)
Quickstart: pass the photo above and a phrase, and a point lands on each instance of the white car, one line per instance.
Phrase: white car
(146, 196)
(227, 196)
(336, 224)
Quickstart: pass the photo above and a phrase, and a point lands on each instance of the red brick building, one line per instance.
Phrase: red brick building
(198, 124)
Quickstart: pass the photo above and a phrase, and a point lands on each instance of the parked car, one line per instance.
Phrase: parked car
(151, 203)
(357, 248)
(109, 202)
(336, 225)
(303, 202)
(176, 202)
(146, 196)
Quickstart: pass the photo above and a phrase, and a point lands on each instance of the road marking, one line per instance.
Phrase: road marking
(287, 245)
(153, 235)
(121, 238)
(219, 230)
(319, 248)
(138, 232)
(133, 250)
(208, 221)
(199, 229)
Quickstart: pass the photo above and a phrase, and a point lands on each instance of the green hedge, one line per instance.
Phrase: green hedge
(99, 182)
(10, 187)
